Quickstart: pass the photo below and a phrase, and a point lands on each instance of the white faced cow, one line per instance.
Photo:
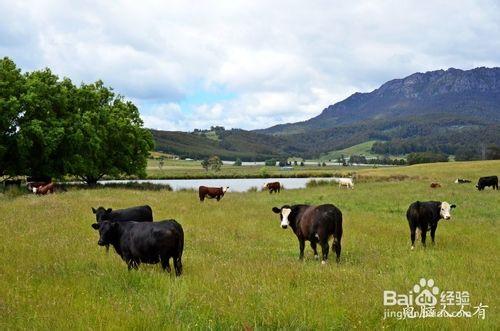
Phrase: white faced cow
(424, 216)
(315, 224)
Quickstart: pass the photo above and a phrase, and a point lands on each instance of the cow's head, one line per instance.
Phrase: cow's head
(101, 213)
(284, 212)
(34, 189)
(107, 232)
(224, 189)
(445, 211)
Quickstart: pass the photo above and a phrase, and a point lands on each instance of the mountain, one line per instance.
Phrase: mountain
(468, 94)
(452, 111)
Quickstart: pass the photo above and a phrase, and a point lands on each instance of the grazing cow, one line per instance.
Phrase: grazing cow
(42, 190)
(425, 216)
(144, 242)
(461, 181)
(212, 192)
(346, 182)
(137, 214)
(273, 187)
(435, 185)
(487, 181)
(315, 224)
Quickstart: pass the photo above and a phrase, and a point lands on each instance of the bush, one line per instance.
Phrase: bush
(426, 157)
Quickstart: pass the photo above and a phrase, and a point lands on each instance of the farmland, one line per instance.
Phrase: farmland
(240, 268)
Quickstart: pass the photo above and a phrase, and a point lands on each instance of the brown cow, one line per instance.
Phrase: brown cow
(273, 187)
(435, 185)
(212, 192)
(42, 190)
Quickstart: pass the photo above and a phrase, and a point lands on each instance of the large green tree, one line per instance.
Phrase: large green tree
(106, 135)
(48, 126)
(47, 106)
(11, 88)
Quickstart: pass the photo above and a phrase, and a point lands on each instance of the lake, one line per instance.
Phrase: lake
(235, 184)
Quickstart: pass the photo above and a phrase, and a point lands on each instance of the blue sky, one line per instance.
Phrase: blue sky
(246, 64)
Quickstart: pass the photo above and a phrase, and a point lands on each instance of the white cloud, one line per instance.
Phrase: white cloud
(282, 61)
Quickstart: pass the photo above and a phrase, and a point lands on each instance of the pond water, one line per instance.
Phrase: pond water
(235, 184)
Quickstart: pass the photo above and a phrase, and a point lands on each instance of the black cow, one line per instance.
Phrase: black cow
(315, 224)
(137, 214)
(487, 181)
(425, 215)
(144, 242)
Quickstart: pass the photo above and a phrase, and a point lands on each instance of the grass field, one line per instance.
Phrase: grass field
(359, 149)
(241, 269)
(193, 169)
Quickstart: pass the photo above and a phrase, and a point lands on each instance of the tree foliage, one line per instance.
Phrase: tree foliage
(52, 127)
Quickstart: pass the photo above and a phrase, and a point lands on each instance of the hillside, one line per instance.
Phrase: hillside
(456, 112)
(470, 94)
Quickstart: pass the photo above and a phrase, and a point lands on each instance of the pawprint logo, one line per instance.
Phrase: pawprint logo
(426, 292)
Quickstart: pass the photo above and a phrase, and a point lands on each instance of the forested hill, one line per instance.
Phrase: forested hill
(473, 94)
(456, 112)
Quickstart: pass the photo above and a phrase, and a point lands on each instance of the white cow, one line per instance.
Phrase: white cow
(347, 182)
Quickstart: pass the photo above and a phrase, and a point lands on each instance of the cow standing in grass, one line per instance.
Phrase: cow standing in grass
(211, 192)
(315, 224)
(487, 181)
(144, 242)
(137, 214)
(273, 187)
(424, 216)
(346, 182)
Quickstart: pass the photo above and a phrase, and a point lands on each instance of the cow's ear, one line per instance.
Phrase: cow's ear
(453, 206)
(94, 210)
(276, 210)
(109, 210)
(95, 226)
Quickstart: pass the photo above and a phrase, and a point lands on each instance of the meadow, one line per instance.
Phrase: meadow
(185, 169)
(241, 269)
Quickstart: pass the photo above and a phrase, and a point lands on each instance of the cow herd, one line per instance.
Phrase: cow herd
(137, 239)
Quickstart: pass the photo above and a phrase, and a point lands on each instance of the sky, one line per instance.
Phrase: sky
(246, 64)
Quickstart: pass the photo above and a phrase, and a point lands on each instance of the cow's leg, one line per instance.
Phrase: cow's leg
(218, 198)
(324, 250)
(424, 235)
(336, 245)
(313, 246)
(178, 266)
(131, 264)
(433, 233)
(165, 263)
(302, 245)
(412, 236)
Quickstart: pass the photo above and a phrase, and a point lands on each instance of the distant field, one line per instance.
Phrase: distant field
(241, 269)
(193, 169)
(359, 149)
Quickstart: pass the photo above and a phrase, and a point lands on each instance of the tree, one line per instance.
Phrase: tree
(426, 157)
(213, 163)
(161, 162)
(47, 104)
(106, 136)
(205, 164)
(238, 162)
(11, 89)
(493, 152)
